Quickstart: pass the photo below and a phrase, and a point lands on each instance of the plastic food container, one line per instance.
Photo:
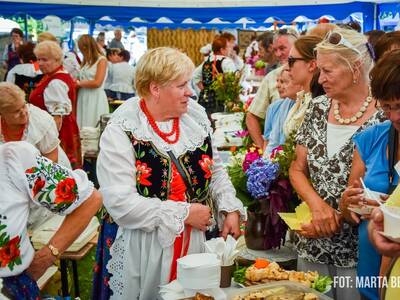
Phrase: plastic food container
(278, 287)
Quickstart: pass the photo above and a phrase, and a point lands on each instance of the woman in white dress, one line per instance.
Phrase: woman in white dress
(92, 99)
(26, 122)
(27, 178)
(162, 180)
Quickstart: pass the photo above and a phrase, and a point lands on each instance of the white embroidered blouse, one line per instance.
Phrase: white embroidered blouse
(148, 226)
(27, 178)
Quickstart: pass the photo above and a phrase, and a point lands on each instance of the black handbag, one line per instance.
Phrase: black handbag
(393, 146)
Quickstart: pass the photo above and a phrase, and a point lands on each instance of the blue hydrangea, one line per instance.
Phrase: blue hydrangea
(261, 173)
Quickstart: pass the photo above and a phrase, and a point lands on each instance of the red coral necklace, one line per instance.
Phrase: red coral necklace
(164, 135)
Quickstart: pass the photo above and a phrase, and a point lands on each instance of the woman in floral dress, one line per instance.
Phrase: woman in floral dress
(324, 154)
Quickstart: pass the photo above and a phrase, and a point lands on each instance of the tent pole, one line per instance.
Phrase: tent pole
(71, 35)
(26, 26)
(375, 16)
(92, 25)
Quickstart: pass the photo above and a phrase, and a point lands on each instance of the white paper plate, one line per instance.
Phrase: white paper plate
(392, 238)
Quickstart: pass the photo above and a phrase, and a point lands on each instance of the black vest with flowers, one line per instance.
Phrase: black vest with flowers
(154, 170)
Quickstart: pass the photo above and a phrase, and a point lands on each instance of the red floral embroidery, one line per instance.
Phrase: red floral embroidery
(142, 173)
(39, 184)
(10, 251)
(206, 164)
(66, 191)
(31, 170)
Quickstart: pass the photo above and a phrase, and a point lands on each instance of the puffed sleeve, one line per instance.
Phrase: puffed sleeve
(228, 65)
(222, 190)
(56, 98)
(48, 184)
(117, 177)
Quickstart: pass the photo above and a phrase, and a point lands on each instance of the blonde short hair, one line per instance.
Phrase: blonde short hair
(49, 49)
(347, 56)
(9, 96)
(46, 36)
(161, 65)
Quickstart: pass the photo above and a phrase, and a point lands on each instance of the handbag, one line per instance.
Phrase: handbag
(393, 146)
(212, 231)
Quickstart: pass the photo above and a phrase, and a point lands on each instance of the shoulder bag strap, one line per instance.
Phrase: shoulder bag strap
(183, 174)
(393, 144)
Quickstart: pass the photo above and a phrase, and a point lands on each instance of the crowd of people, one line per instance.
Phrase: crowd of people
(332, 89)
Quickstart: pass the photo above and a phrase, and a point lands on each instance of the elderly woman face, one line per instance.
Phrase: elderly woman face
(335, 77)
(174, 97)
(47, 64)
(17, 114)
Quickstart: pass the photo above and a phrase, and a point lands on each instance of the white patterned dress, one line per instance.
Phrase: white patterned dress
(92, 103)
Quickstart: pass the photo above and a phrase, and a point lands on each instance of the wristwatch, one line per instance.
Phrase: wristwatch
(54, 250)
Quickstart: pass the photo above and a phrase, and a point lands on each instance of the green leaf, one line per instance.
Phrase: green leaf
(141, 154)
(198, 192)
(204, 147)
(3, 226)
(18, 260)
(145, 192)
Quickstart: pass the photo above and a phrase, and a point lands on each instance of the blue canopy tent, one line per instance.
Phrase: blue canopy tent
(388, 14)
(123, 14)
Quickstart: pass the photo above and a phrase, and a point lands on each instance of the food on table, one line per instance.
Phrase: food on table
(200, 296)
(280, 293)
(264, 271)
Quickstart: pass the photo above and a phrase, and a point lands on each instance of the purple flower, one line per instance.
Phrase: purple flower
(261, 173)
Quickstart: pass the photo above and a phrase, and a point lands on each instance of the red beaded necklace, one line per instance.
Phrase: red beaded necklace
(163, 135)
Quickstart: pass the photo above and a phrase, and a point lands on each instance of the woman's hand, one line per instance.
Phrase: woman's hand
(42, 260)
(382, 244)
(325, 219)
(353, 196)
(199, 216)
(231, 225)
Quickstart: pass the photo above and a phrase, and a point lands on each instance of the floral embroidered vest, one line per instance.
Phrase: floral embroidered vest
(154, 170)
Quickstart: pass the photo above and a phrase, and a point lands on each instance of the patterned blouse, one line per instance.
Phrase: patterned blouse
(329, 177)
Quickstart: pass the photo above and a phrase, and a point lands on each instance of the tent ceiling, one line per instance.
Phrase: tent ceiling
(197, 3)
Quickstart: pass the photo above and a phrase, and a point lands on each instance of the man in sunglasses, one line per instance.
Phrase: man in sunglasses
(267, 92)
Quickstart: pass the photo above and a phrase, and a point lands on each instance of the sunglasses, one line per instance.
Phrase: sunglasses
(292, 60)
(335, 38)
(285, 31)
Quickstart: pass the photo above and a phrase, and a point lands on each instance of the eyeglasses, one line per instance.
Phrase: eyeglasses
(387, 108)
(335, 38)
(292, 60)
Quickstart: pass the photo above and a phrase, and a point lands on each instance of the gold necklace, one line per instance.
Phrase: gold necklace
(355, 117)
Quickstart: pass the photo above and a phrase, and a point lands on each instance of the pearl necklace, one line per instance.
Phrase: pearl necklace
(355, 117)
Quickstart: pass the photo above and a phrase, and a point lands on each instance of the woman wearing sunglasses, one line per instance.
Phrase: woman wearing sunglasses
(303, 68)
(324, 154)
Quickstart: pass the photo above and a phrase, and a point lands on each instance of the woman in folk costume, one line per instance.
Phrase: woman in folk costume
(56, 94)
(28, 179)
(162, 180)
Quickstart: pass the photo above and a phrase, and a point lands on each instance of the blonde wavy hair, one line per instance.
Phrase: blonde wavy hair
(9, 96)
(49, 49)
(347, 56)
(161, 65)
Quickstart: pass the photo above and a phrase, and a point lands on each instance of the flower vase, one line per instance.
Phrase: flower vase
(255, 228)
